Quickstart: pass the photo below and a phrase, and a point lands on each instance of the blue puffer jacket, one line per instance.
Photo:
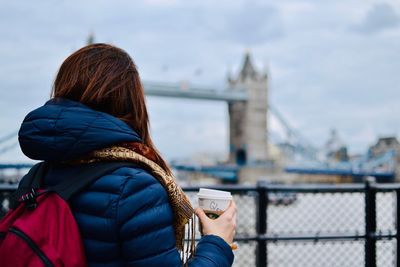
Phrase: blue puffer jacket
(125, 218)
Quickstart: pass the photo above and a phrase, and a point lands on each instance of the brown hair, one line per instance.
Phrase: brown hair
(105, 78)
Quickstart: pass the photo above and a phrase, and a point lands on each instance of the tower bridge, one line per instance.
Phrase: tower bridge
(247, 101)
(185, 90)
(246, 96)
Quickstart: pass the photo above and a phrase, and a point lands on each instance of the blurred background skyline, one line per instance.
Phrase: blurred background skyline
(331, 64)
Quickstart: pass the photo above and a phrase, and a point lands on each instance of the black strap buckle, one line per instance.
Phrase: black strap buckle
(30, 199)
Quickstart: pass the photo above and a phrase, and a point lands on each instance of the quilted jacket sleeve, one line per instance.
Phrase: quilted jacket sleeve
(144, 219)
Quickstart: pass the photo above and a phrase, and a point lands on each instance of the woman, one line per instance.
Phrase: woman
(135, 216)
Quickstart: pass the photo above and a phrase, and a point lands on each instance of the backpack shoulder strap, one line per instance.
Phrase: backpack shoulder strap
(89, 173)
(30, 180)
(70, 185)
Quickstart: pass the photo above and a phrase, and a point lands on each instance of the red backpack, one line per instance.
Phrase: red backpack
(40, 229)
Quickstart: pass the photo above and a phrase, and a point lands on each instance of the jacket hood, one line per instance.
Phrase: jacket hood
(63, 129)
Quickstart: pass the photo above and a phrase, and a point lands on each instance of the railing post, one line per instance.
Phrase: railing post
(397, 227)
(261, 252)
(370, 223)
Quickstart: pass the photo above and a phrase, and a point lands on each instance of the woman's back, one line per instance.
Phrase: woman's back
(125, 218)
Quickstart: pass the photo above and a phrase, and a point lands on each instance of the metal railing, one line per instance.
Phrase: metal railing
(276, 235)
(310, 225)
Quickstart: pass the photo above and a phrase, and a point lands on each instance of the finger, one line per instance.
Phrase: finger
(200, 213)
(230, 211)
(232, 205)
(234, 217)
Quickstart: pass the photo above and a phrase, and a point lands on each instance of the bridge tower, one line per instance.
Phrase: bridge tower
(248, 119)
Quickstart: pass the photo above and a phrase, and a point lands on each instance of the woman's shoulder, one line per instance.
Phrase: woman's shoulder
(132, 179)
(125, 180)
(135, 189)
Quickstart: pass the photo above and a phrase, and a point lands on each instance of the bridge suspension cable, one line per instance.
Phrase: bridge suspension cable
(4, 149)
(4, 139)
(8, 136)
(300, 141)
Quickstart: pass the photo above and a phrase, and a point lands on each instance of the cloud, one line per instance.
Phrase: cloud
(251, 24)
(381, 17)
(322, 74)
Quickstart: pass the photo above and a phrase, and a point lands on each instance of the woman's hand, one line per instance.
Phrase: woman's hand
(224, 226)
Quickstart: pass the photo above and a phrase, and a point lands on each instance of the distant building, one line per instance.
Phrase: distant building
(90, 40)
(385, 144)
(248, 119)
(335, 149)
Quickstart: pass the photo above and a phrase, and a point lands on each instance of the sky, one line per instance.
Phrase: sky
(331, 64)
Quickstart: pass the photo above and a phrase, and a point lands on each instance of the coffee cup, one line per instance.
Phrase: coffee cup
(213, 202)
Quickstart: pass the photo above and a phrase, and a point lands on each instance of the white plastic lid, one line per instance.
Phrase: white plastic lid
(212, 193)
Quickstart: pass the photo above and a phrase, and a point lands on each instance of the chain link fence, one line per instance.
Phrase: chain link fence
(315, 225)
(308, 225)
(316, 253)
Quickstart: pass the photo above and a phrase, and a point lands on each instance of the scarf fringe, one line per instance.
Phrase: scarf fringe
(189, 242)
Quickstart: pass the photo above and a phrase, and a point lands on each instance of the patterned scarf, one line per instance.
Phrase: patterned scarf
(145, 157)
